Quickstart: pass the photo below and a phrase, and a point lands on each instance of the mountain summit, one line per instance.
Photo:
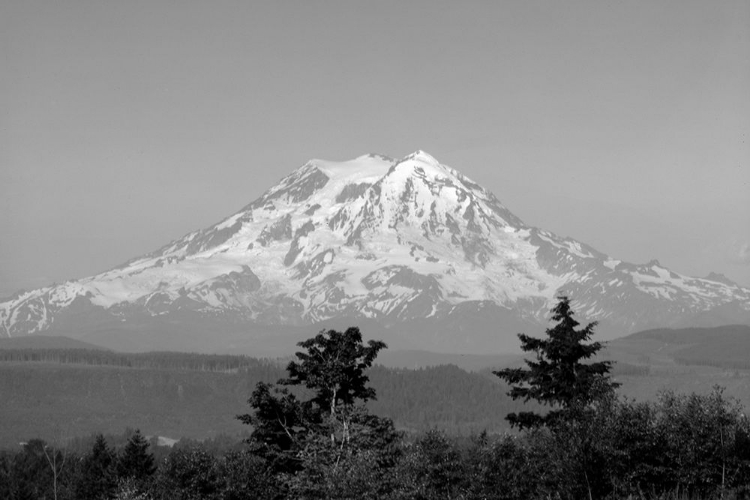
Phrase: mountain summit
(410, 247)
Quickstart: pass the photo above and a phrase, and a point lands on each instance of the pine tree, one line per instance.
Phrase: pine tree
(557, 377)
(97, 480)
(135, 461)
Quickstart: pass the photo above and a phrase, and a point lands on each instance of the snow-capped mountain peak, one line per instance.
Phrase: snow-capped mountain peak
(397, 242)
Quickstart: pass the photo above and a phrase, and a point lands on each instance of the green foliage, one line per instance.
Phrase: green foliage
(130, 489)
(503, 468)
(434, 468)
(723, 346)
(247, 476)
(103, 398)
(444, 397)
(557, 377)
(280, 422)
(6, 475)
(334, 367)
(37, 471)
(98, 475)
(135, 462)
(189, 475)
(314, 437)
(350, 473)
(162, 360)
(694, 443)
(681, 446)
(106, 398)
(334, 466)
(32, 477)
(287, 430)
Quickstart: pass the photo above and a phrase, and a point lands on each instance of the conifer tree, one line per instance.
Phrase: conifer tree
(135, 461)
(557, 377)
(97, 480)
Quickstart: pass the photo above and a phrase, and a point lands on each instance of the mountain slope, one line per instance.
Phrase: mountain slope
(419, 250)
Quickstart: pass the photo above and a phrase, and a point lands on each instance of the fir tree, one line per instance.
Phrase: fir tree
(557, 377)
(135, 461)
(97, 480)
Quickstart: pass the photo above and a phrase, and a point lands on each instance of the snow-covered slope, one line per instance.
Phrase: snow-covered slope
(399, 242)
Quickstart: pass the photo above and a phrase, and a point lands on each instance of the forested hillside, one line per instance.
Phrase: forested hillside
(319, 431)
(723, 347)
(197, 396)
(156, 360)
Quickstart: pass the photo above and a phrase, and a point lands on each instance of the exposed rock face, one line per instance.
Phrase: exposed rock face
(409, 244)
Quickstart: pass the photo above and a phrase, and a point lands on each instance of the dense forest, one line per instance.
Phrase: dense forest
(197, 396)
(678, 447)
(321, 428)
(158, 360)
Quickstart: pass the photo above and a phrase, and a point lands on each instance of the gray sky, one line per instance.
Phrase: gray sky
(124, 125)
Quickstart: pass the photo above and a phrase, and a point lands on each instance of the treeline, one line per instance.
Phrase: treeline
(444, 397)
(695, 446)
(315, 434)
(125, 470)
(195, 403)
(622, 369)
(155, 360)
(721, 347)
(216, 445)
(731, 364)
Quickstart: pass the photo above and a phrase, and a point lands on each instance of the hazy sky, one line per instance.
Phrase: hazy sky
(124, 125)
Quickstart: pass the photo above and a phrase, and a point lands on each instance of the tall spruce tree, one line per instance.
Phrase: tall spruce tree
(136, 462)
(557, 377)
(98, 476)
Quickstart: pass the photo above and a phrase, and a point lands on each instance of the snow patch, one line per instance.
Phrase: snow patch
(612, 263)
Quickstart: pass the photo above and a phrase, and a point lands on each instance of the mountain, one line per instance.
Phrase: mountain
(410, 250)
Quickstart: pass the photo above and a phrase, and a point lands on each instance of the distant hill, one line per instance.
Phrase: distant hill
(46, 342)
(420, 359)
(716, 335)
(197, 395)
(723, 346)
(76, 392)
(684, 360)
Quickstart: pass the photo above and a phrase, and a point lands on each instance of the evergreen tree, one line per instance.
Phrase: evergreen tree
(5, 475)
(557, 377)
(135, 461)
(30, 473)
(97, 479)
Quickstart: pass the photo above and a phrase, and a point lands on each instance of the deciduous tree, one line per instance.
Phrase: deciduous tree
(333, 365)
